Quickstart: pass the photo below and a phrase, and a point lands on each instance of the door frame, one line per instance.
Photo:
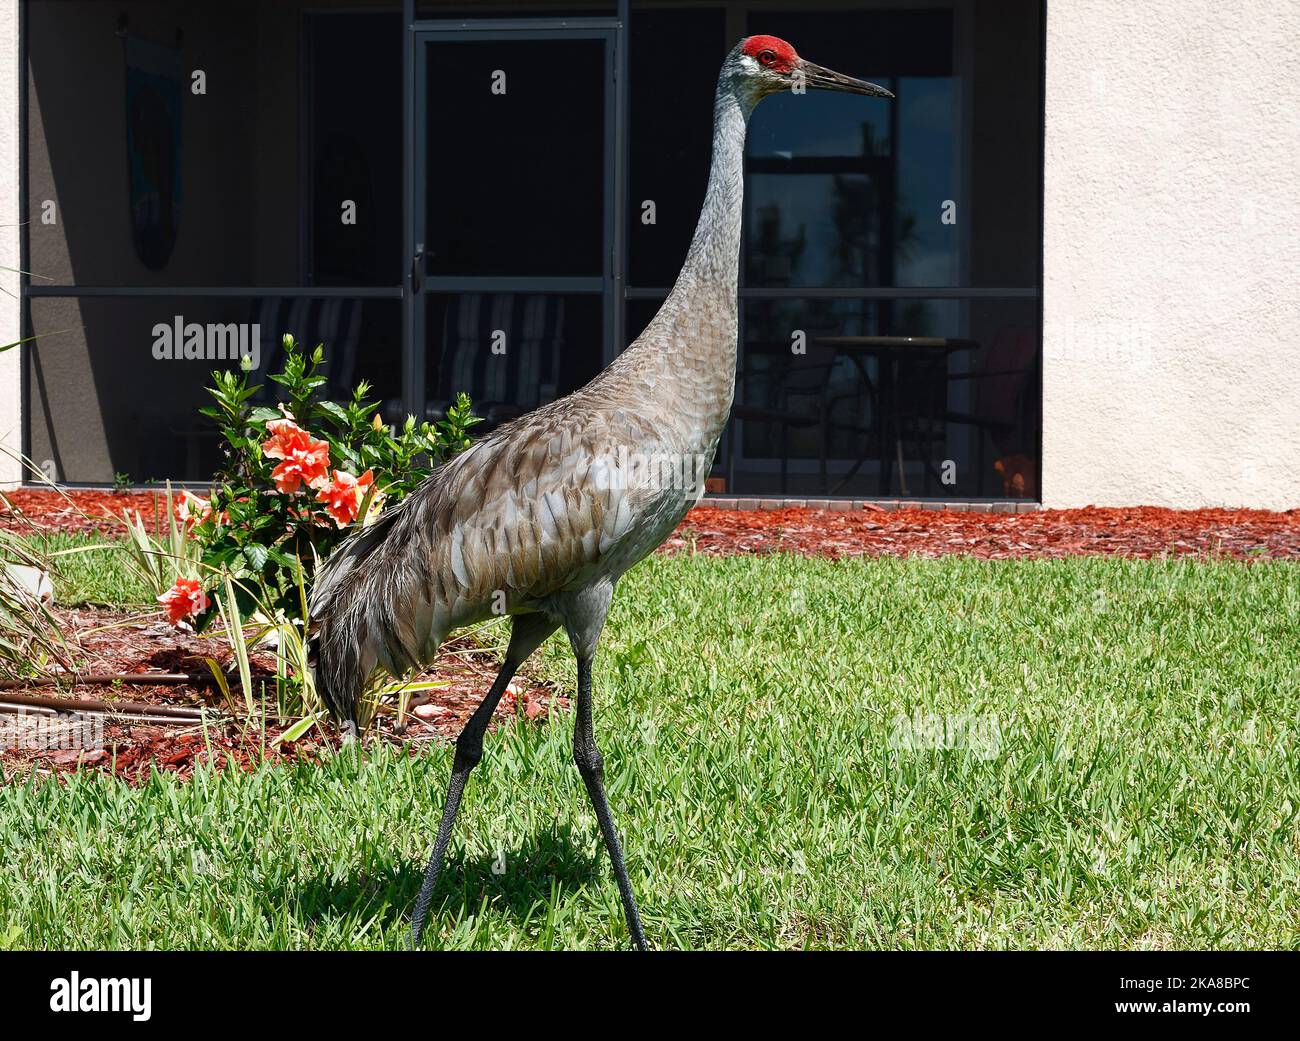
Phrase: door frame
(417, 285)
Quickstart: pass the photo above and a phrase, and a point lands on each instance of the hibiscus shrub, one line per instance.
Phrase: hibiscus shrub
(296, 478)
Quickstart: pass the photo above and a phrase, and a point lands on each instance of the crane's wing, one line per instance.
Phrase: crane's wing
(536, 506)
(532, 510)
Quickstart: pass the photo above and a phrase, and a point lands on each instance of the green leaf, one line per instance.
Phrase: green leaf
(334, 411)
(256, 556)
(297, 730)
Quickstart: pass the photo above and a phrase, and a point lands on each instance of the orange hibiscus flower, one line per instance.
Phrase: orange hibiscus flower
(343, 497)
(190, 510)
(184, 600)
(306, 460)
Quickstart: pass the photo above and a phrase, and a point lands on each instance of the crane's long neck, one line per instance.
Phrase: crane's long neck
(710, 271)
(691, 342)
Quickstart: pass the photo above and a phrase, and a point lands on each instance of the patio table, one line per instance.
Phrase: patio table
(889, 352)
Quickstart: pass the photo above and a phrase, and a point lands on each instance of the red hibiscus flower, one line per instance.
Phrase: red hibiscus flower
(184, 600)
(344, 496)
(306, 460)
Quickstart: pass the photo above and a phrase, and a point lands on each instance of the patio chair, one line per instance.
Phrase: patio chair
(500, 386)
(799, 394)
(334, 321)
(1005, 399)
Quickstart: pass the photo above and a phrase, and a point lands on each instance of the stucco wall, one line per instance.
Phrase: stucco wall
(1172, 253)
(10, 380)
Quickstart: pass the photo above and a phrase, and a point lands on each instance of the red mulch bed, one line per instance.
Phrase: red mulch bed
(87, 511)
(110, 642)
(1143, 531)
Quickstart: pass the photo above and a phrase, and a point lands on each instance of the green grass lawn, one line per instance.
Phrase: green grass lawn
(93, 569)
(1135, 782)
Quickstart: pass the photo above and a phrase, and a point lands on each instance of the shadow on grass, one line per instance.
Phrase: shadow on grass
(513, 883)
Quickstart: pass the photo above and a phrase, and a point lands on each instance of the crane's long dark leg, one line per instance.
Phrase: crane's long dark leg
(591, 765)
(584, 618)
(526, 633)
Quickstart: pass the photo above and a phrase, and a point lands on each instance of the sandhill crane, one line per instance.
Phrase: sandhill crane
(540, 518)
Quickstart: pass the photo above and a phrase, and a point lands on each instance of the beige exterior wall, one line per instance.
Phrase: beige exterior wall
(10, 310)
(1172, 254)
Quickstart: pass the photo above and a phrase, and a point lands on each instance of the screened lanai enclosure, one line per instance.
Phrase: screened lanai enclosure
(415, 185)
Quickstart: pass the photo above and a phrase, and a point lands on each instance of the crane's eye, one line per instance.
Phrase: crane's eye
(766, 57)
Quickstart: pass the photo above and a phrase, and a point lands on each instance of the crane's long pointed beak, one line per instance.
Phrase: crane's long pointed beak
(826, 79)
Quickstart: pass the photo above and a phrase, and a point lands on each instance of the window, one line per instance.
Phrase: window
(671, 134)
(890, 318)
(253, 166)
(921, 379)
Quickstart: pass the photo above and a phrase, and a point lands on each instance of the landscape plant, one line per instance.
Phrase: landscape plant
(30, 638)
(298, 474)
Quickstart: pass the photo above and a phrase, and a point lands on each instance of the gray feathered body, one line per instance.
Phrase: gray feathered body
(548, 504)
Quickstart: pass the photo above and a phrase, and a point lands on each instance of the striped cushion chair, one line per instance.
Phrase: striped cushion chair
(335, 322)
(507, 384)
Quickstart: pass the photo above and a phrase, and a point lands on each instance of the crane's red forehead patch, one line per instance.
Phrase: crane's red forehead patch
(783, 56)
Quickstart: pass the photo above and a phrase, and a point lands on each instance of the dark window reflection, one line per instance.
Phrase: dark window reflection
(671, 132)
(812, 227)
(937, 188)
(540, 8)
(888, 398)
(354, 71)
(304, 111)
(849, 191)
(639, 315)
(516, 177)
